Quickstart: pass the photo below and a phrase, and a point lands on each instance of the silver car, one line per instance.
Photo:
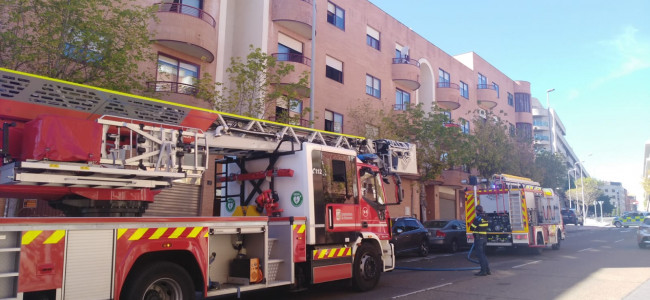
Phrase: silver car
(643, 234)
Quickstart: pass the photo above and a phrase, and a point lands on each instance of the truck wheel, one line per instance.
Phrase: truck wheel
(559, 239)
(367, 268)
(162, 280)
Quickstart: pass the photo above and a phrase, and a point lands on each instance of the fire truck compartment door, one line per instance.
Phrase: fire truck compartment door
(88, 264)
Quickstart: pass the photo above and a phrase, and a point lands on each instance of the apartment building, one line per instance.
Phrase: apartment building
(549, 134)
(618, 196)
(361, 55)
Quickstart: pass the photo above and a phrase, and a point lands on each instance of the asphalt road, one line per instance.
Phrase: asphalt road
(593, 263)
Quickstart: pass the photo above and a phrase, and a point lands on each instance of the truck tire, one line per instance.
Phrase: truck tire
(366, 268)
(161, 280)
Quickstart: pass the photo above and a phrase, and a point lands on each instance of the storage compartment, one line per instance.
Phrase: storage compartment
(59, 138)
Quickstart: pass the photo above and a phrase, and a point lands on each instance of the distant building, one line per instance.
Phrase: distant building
(618, 196)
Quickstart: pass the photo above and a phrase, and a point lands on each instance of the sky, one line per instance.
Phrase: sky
(595, 54)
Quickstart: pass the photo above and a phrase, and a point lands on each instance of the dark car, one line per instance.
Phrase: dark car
(409, 236)
(447, 234)
(569, 216)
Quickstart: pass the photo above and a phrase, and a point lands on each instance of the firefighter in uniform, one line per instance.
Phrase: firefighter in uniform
(480, 228)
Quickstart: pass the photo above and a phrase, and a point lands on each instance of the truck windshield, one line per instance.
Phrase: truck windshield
(371, 188)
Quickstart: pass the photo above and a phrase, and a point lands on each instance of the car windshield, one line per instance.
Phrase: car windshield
(435, 224)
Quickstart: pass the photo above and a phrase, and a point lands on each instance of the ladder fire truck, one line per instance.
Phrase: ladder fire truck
(520, 213)
(299, 206)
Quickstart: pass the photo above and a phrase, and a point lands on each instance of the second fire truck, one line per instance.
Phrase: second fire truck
(520, 212)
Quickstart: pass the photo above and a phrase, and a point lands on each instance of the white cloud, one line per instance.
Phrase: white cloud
(631, 53)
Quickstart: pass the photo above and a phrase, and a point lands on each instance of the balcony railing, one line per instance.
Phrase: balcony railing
(485, 87)
(187, 10)
(301, 123)
(172, 87)
(402, 106)
(404, 60)
(448, 85)
(292, 57)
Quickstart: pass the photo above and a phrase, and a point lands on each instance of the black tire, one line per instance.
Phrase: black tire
(423, 250)
(367, 268)
(161, 280)
(559, 241)
(453, 246)
(618, 224)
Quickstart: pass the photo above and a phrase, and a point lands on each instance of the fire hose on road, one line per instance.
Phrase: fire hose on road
(446, 269)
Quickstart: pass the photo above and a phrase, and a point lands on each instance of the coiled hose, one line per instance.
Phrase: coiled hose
(446, 269)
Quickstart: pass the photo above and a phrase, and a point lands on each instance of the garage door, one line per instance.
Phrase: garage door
(180, 200)
(447, 203)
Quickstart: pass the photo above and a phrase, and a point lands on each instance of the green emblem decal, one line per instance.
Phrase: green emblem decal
(230, 205)
(296, 198)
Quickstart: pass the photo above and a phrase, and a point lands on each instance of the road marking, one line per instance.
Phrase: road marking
(585, 249)
(424, 290)
(618, 241)
(528, 263)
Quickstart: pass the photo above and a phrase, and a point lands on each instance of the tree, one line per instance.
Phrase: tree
(96, 42)
(646, 189)
(494, 148)
(550, 170)
(608, 207)
(256, 88)
(591, 190)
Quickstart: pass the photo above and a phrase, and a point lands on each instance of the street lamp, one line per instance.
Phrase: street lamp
(552, 120)
(582, 186)
(568, 176)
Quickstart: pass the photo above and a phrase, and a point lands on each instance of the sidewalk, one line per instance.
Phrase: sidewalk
(607, 222)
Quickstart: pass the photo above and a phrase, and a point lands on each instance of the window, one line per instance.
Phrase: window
(188, 7)
(524, 130)
(464, 90)
(511, 100)
(448, 118)
(373, 86)
(522, 102)
(511, 129)
(334, 69)
(335, 15)
(289, 49)
(176, 76)
(464, 125)
(443, 78)
(372, 37)
(333, 122)
(482, 81)
(401, 52)
(496, 88)
(402, 100)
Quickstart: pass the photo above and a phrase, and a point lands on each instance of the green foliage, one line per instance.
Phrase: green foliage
(255, 87)
(591, 190)
(495, 149)
(646, 189)
(96, 42)
(608, 206)
(550, 170)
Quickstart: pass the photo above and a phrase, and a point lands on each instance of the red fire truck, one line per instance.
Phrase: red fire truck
(299, 206)
(520, 213)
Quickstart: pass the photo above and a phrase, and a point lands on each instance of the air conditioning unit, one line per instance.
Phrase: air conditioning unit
(482, 113)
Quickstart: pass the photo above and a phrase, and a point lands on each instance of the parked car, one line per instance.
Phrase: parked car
(409, 236)
(570, 216)
(447, 234)
(643, 233)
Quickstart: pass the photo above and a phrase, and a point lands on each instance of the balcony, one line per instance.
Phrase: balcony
(487, 96)
(406, 72)
(296, 15)
(447, 95)
(401, 106)
(301, 65)
(296, 122)
(186, 29)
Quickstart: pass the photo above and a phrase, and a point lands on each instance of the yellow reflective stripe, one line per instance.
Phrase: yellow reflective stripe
(206, 234)
(120, 232)
(349, 252)
(301, 229)
(138, 234)
(55, 237)
(159, 232)
(195, 232)
(29, 236)
(177, 232)
(332, 252)
(322, 253)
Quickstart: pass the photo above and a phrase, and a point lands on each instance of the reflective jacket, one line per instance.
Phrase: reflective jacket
(480, 226)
